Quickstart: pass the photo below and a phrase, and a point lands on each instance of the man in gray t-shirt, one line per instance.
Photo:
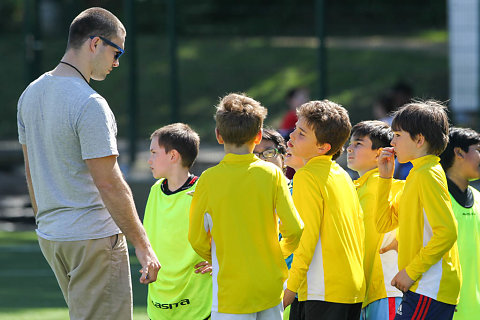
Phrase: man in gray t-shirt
(81, 202)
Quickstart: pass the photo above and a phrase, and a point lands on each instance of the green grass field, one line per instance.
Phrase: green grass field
(28, 288)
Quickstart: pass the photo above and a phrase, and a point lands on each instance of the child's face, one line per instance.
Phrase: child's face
(471, 163)
(270, 155)
(293, 161)
(303, 142)
(360, 156)
(159, 159)
(405, 147)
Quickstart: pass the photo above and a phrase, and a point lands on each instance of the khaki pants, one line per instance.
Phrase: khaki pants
(94, 276)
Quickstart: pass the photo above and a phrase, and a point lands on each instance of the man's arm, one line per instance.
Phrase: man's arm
(29, 180)
(118, 199)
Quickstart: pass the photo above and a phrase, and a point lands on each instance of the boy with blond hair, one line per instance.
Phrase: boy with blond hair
(429, 275)
(327, 270)
(234, 218)
(461, 162)
(183, 289)
(381, 298)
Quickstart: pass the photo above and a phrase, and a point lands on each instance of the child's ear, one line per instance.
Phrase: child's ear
(323, 148)
(174, 155)
(219, 136)
(420, 140)
(258, 137)
(458, 152)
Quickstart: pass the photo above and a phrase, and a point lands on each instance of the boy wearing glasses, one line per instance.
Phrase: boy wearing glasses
(233, 218)
(327, 267)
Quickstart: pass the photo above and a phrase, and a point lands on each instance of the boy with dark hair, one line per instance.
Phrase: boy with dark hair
(327, 270)
(234, 218)
(461, 162)
(381, 298)
(179, 293)
(429, 275)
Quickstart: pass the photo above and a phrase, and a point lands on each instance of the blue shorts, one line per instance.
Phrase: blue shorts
(382, 309)
(419, 307)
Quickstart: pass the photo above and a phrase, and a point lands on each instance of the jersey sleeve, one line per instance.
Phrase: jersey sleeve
(386, 213)
(198, 236)
(309, 204)
(439, 217)
(291, 226)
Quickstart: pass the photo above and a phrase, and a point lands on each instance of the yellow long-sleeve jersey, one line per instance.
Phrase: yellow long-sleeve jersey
(427, 230)
(327, 264)
(234, 224)
(379, 268)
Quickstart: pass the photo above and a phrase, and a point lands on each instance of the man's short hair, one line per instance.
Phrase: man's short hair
(276, 138)
(180, 137)
(93, 22)
(378, 132)
(461, 138)
(428, 118)
(239, 118)
(329, 121)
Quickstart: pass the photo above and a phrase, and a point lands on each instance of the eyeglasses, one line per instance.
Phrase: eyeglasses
(267, 154)
(120, 51)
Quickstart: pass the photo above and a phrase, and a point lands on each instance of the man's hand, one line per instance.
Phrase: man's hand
(386, 162)
(391, 246)
(203, 267)
(150, 265)
(402, 281)
(288, 297)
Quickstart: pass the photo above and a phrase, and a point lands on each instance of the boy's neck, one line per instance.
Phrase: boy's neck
(245, 148)
(460, 181)
(177, 177)
(362, 172)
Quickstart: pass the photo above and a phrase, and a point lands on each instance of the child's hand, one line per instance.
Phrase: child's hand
(402, 281)
(386, 162)
(288, 297)
(391, 246)
(203, 267)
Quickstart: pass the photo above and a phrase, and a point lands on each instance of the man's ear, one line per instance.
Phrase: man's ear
(258, 137)
(93, 44)
(219, 136)
(323, 148)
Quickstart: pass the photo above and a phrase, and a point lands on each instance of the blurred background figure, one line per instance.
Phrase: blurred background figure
(295, 98)
(383, 109)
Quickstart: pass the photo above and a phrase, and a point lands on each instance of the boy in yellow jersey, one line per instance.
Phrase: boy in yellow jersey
(327, 270)
(233, 218)
(461, 162)
(429, 275)
(381, 298)
(183, 289)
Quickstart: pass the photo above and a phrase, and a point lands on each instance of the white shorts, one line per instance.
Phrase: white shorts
(274, 313)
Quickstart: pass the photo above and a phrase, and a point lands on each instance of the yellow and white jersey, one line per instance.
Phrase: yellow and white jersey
(427, 230)
(379, 268)
(328, 263)
(234, 224)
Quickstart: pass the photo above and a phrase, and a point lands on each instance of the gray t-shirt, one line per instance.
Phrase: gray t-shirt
(63, 122)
